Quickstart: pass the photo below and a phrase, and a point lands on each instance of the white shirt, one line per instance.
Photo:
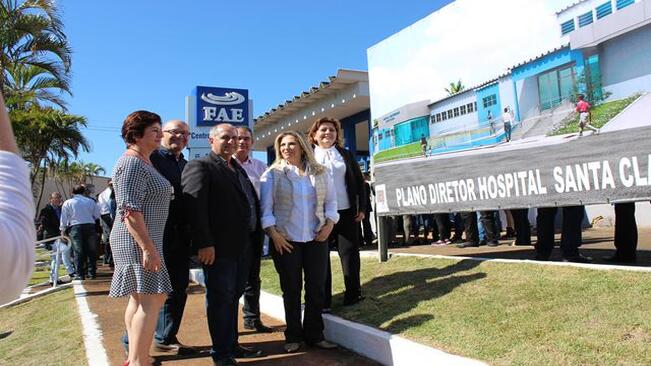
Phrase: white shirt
(17, 232)
(507, 117)
(104, 201)
(303, 229)
(254, 169)
(336, 165)
(78, 210)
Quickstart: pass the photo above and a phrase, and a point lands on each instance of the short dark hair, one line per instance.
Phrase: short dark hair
(580, 96)
(246, 128)
(79, 189)
(135, 123)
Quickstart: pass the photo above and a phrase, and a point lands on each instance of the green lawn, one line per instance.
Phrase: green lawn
(504, 314)
(601, 114)
(43, 331)
(42, 274)
(404, 151)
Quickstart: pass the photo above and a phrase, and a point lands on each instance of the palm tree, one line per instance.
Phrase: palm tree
(455, 87)
(47, 135)
(28, 85)
(31, 33)
(91, 170)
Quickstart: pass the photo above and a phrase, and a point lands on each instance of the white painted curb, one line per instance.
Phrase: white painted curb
(92, 334)
(380, 346)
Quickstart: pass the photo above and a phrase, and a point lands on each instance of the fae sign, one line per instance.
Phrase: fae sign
(222, 105)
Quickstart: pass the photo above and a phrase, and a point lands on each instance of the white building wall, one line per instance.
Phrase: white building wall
(460, 123)
(529, 101)
(626, 63)
(507, 93)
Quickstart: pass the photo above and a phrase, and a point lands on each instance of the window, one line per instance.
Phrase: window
(387, 133)
(604, 9)
(489, 100)
(474, 106)
(621, 4)
(450, 114)
(585, 19)
(470, 107)
(456, 112)
(444, 116)
(462, 109)
(567, 27)
(379, 136)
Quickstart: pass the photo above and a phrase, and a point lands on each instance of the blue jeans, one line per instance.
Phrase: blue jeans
(84, 244)
(63, 256)
(507, 130)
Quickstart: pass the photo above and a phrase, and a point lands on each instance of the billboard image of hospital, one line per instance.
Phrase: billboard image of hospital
(523, 61)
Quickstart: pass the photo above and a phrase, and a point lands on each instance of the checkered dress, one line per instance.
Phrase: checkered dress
(138, 187)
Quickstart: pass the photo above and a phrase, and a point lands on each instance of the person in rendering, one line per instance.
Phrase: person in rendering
(507, 118)
(78, 216)
(328, 140)
(491, 122)
(143, 198)
(299, 211)
(423, 145)
(224, 213)
(367, 231)
(16, 215)
(254, 169)
(570, 237)
(585, 115)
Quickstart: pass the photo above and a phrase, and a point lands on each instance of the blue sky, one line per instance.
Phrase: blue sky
(131, 55)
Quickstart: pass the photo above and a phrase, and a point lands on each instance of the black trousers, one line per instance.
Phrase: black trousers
(310, 259)
(176, 253)
(522, 226)
(443, 225)
(487, 219)
(625, 230)
(470, 226)
(107, 226)
(345, 237)
(366, 228)
(571, 230)
(251, 308)
(84, 245)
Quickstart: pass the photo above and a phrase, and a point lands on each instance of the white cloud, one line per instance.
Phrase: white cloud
(471, 40)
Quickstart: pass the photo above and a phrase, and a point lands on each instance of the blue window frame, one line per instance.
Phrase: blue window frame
(567, 27)
(489, 100)
(621, 4)
(585, 19)
(604, 9)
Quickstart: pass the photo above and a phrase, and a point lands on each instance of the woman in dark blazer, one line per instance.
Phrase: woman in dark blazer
(327, 138)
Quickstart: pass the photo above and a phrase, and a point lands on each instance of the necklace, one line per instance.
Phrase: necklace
(142, 157)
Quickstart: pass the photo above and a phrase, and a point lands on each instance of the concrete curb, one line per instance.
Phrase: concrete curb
(380, 346)
(26, 298)
(599, 267)
(91, 332)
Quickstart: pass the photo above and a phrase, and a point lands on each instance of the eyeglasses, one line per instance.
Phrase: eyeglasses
(177, 132)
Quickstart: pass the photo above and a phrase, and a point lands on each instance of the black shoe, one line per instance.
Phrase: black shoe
(225, 362)
(353, 301)
(482, 243)
(577, 259)
(326, 311)
(618, 258)
(246, 352)
(258, 327)
(467, 244)
(542, 257)
(493, 243)
(78, 278)
(177, 347)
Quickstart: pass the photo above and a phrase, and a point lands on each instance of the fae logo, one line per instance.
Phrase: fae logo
(222, 105)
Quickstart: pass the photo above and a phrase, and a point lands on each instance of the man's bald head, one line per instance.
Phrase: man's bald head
(175, 137)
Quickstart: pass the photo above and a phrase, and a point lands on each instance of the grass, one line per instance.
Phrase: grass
(504, 314)
(43, 331)
(42, 274)
(601, 114)
(404, 151)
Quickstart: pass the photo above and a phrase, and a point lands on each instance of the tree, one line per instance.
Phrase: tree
(28, 85)
(31, 34)
(455, 87)
(46, 135)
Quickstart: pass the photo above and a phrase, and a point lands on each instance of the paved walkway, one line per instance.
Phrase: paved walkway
(194, 331)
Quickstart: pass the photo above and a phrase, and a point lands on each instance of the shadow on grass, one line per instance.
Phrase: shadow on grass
(399, 293)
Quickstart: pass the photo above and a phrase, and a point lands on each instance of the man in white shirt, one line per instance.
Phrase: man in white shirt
(254, 169)
(78, 216)
(104, 202)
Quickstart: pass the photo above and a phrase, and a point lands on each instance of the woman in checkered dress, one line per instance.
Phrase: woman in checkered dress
(143, 198)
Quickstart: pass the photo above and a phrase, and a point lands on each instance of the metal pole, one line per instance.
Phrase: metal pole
(383, 238)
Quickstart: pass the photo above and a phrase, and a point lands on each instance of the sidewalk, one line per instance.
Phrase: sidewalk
(194, 331)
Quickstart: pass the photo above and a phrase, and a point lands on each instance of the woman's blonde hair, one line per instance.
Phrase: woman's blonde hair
(307, 156)
(339, 142)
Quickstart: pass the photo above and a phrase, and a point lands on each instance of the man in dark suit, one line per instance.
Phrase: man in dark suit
(224, 214)
(48, 219)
